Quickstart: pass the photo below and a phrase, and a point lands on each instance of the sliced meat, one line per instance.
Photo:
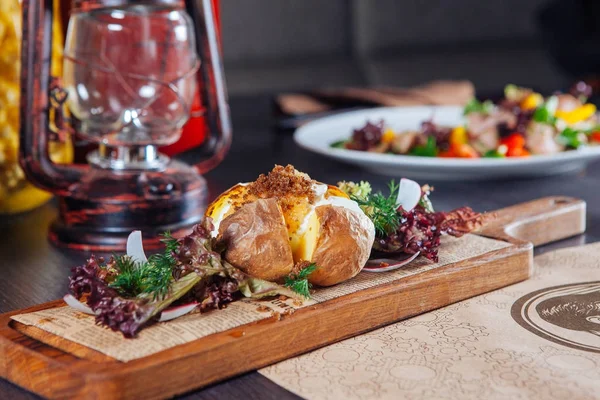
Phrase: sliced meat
(404, 142)
(568, 102)
(483, 128)
(539, 139)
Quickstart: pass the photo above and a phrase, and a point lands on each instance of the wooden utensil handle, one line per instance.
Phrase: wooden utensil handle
(539, 221)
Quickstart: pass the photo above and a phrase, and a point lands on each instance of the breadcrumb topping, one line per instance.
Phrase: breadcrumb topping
(283, 182)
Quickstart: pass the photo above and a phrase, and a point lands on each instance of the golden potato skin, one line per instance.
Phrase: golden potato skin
(344, 245)
(257, 240)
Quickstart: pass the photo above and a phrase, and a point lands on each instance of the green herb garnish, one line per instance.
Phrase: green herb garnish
(476, 106)
(428, 150)
(382, 210)
(152, 277)
(571, 138)
(129, 280)
(544, 114)
(299, 282)
(494, 154)
(340, 144)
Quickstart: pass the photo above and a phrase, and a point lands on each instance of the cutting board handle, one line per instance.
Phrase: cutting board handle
(539, 221)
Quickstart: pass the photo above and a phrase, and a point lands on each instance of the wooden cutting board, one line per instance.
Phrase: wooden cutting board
(57, 368)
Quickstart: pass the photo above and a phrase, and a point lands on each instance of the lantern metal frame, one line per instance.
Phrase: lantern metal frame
(98, 207)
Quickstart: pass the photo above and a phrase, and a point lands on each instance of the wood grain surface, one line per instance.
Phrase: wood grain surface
(56, 368)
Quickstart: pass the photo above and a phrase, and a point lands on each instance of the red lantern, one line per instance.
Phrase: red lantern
(131, 70)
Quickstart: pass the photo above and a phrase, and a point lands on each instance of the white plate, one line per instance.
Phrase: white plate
(318, 135)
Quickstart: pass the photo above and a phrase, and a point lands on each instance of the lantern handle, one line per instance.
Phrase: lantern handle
(210, 76)
(36, 58)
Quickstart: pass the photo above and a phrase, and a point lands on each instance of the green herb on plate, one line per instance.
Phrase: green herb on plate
(340, 144)
(428, 150)
(476, 106)
(494, 154)
(571, 138)
(545, 113)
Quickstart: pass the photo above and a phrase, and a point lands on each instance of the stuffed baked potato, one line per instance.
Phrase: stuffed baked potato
(284, 219)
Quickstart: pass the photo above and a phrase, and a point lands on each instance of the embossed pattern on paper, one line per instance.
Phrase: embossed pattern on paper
(477, 349)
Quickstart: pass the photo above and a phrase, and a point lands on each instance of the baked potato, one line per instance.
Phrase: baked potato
(272, 226)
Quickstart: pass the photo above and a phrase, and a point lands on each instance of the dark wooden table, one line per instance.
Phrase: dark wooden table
(32, 271)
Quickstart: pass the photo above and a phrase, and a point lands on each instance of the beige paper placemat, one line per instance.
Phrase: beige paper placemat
(80, 328)
(539, 339)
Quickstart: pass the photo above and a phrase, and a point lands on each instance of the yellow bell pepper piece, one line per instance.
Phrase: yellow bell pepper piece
(532, 101)
(458, 135)
(577, 115)
(388, 136)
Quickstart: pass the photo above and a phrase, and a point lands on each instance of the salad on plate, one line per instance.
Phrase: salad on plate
(521, 124)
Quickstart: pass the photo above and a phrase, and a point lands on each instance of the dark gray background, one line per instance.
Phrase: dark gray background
(272, 45)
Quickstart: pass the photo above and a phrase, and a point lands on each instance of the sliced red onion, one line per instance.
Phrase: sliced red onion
(409, 194)
(135, 247)
(176, 312)
(388, 264)
(76, 304)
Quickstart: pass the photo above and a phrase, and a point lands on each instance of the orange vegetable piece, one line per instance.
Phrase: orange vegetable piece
(459, 150)
(458, 135)
(517, 152)
(466, 151)
(532, 101)
(388, 136)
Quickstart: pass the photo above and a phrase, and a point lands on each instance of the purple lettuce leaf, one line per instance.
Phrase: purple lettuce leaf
(127, 315)
(420, 231)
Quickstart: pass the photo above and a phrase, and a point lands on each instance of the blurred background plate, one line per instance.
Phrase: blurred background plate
(318, 135)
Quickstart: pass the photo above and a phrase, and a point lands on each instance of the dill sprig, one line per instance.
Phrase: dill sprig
(158, 275)
(171, 244)
(128, 282)
(381, 209)
(299, 282)
(153, 277)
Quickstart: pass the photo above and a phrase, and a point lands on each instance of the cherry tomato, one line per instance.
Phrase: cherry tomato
(447, 154)
(595, 137)
(515, 140)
